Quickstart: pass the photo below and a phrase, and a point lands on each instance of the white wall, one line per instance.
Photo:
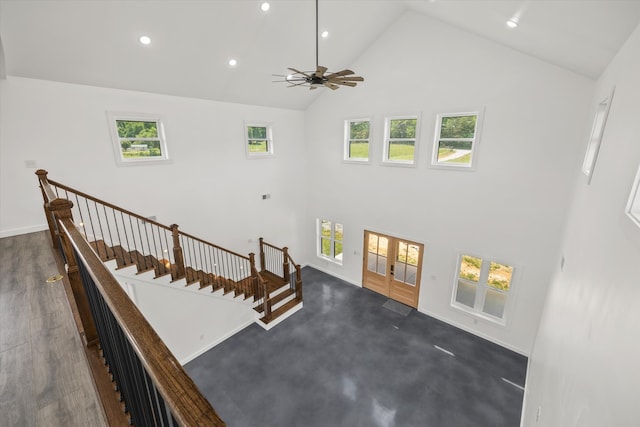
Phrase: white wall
(511, 208)
(188, 320)
(209, 188)
(584, 367)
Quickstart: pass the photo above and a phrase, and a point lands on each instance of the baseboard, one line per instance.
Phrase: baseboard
(215, 343)
(476, 333)
(23, 230)
(332, 273)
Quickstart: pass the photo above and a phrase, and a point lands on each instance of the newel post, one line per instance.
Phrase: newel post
(178, 271)
(285, 264)
(254, 279)
(298, 283)
(61, 208)
(42, 179)
(262, 262)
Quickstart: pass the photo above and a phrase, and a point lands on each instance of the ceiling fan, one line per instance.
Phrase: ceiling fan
(321, 76)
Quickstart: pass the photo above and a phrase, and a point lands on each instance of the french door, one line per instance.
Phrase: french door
(392, 267)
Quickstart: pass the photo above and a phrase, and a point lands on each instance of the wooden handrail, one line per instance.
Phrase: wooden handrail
(188, 406)
(213, 245)
(95, 199)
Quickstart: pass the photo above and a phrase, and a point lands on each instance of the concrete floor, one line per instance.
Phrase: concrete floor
(344, 360)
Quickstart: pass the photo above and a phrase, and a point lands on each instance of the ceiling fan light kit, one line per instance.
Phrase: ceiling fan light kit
(321, 76)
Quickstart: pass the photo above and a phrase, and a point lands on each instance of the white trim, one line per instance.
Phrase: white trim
(477, 311)
(474, 332)
(385, 146)
(114, 116)
(347, 134)
(633, 205)
(245, 139)
(595, 137)
(23, 230)
(229, 334)
(475, 141)
(333, 274)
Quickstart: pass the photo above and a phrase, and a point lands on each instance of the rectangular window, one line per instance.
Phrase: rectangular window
(455, 140)
(356, 141)
(482, 287)
(633, 205)
(137, 138)
(330, 240)
(401, 134)
(258, 141)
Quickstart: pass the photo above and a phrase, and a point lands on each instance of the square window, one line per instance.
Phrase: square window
(330, 236)
(401, 135)
(456, 140)
(258, 140)
(137, 138)
(482, 287)
(356, 143)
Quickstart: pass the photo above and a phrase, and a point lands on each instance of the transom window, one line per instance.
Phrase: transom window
(455, 140)
(482, 287)
(330, 235)
(137, 138)
(401, 134)
(258, 140)
(356, 144)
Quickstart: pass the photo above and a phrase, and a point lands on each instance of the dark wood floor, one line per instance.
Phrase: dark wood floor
(44, 378)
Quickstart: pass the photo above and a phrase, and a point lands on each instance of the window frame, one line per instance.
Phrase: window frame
(332, 241)
(633, 205)
(347, 141)
(482, 287)
(475, 141)
(269, 139)
(115, 116)
(387, 141)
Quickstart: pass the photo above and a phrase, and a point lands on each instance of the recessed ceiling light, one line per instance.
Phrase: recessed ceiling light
(232, 62)
(325, 34)
(265, 6)
(511, 23)
(145, 40)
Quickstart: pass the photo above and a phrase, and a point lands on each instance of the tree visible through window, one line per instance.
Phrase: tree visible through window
(357, 140)
(482, 286)
(330, 240)
(455, 139)
(137, 137)
(258, 140)
(400, 141)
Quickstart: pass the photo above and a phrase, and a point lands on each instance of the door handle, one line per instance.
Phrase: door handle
(392, 269)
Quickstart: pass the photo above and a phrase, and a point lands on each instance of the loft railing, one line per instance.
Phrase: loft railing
(278, 261)
(155, 389)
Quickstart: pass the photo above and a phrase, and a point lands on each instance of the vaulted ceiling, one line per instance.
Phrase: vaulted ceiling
(95, 42)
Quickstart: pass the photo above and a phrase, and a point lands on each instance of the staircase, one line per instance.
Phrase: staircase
(133, 240)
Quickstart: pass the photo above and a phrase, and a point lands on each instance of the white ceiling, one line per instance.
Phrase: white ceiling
(94, 42)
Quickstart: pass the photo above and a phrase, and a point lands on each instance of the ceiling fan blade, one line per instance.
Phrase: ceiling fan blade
(320, 71)
(345, 79)
(351, 84)
(341, 73)
(299, 72)
(331, 86)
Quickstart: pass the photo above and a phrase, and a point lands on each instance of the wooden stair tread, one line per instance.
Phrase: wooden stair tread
(276, 299)
(281, 310)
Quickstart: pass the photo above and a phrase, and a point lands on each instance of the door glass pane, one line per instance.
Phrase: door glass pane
(494, 303)
(383, 246)
(382, 265)
(470, 268)
(466, 293)
(499, 276)
(377, 256)
(399, 271)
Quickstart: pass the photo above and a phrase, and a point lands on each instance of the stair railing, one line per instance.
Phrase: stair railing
(278, 261)
(130, 238)
(155, 389)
